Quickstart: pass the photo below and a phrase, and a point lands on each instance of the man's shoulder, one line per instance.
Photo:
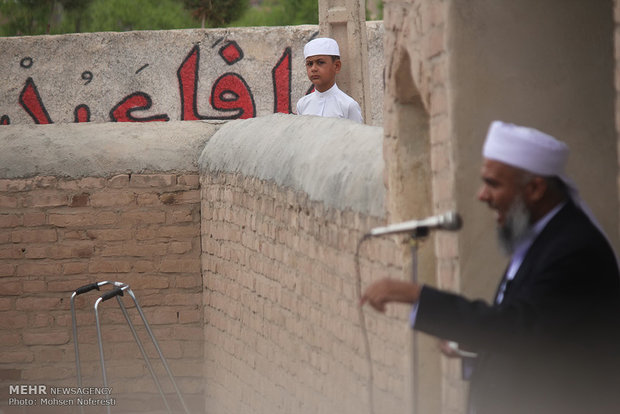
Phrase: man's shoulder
(572, 232)
(572, 221)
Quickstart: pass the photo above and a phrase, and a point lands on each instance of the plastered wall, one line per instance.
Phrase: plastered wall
(150, 76)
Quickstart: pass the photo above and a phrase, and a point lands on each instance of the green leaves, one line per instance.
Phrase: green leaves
(34, 17)
(216, 13)
(25, 17)
(123, 15)
(281, 13)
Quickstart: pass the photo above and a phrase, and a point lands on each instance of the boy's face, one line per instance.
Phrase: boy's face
(322, 70)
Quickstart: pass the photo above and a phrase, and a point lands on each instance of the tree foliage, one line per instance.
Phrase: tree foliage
(76, 12)
(123, 15)
(281, 13)
(32, 17)
(302, 11)
(25, 17)
(216, 13)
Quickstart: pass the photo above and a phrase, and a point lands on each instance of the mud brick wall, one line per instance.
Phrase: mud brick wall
(281, 304)
(243, 260)
(282, 328)
(60, 232)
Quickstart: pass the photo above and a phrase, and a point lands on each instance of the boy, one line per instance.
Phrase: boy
(322, 64)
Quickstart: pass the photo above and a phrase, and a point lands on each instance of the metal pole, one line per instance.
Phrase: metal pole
(161, 355)
(415, 354)
(416, 237)
(144, 355)
(79, 291)
(102, 359)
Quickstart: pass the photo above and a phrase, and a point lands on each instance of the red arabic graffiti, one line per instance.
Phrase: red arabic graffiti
(231, 96)
(30, 100)
(137, 101)
(188, 85)
(81, 113)
(281, 75)
(231, 93)
(231, 53)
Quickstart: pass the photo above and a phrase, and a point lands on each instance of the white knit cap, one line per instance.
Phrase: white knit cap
(526, 148)
(321, 46)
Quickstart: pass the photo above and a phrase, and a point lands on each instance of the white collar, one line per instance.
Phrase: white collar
(330, 91)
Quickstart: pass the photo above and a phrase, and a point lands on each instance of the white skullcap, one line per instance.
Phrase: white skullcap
(321, 46)
(526, 148)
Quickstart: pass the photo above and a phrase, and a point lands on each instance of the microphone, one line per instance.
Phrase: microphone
(450, 221)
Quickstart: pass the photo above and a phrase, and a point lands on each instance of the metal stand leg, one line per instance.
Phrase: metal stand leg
(161, 355)
(144, 355)
(119, 290)
(79, 291)
(416, 237)
(100, 342)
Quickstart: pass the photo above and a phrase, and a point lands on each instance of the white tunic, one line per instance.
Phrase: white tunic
(331, 103)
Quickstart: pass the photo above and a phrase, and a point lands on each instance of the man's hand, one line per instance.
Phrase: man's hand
(451, 350)
(384, 291)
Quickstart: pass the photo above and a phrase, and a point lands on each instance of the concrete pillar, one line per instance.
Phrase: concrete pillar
(345, 21)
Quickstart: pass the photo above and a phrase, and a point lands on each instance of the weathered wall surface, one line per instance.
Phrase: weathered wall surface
(273, 222)
(86, 203)
(421, 170)
(285, 201)
(163, 75)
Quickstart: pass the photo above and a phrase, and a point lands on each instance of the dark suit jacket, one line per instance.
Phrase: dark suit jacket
(552, 345)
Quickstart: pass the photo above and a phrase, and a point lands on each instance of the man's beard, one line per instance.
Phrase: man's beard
(515, 228)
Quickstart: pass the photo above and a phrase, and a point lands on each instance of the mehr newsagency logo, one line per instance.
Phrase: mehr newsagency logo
(43, 395)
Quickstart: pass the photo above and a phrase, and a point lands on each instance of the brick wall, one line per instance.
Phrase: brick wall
(285, 200)
(58, 234)
(282, 330)
(271, 324)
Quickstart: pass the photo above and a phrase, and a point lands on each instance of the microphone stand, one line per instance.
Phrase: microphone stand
(415, 237)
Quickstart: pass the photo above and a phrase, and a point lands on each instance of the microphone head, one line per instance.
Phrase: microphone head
(451, 221)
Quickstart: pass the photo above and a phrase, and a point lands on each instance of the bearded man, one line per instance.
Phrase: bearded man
(549, 343)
